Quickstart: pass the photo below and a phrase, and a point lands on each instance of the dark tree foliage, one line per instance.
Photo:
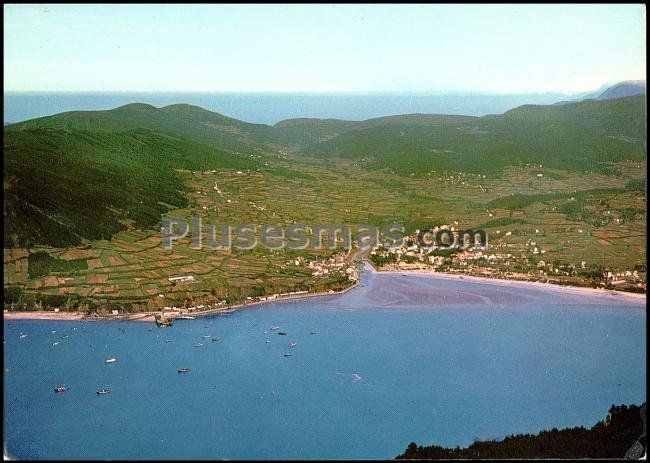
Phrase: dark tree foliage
(636, 185)
(609, 438)
(12, 294)
(42, 263)
(380, 260)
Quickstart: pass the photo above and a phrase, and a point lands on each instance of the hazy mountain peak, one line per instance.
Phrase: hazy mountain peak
(624, 89)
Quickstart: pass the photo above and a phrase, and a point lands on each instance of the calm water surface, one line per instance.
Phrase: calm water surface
(397, 359)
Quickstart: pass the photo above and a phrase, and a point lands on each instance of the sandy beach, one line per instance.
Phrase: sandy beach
(280, 299)
(43, 315)
(150, 316)
(49, 315)
(503, 282)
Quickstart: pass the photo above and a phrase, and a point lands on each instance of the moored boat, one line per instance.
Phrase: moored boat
(61, 389)
(103, 391)
(111, 360)
(183, 370)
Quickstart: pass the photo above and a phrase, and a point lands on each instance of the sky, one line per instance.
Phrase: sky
(322, 48)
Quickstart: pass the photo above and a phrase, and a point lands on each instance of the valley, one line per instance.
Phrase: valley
(84, 193)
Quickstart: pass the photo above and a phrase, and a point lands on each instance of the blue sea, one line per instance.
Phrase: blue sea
(270, 108)
(397, 359)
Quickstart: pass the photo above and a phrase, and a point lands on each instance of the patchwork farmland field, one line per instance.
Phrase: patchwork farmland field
(133, 268)
(578, 205)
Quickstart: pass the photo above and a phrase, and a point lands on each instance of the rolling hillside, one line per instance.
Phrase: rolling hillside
(64, 185)
(189, 121)
(584, 136)
(86, 175)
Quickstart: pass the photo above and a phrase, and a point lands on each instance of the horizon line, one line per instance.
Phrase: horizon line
(334, 92)
(430, 92)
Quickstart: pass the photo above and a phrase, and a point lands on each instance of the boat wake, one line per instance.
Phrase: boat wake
(353, 376)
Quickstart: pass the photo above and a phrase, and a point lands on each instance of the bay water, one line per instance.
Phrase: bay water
(397, 359)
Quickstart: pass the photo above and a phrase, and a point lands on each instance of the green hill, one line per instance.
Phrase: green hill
(85, 175)
(304, 132)
(583, 136)
(190, 121)
(64, 185)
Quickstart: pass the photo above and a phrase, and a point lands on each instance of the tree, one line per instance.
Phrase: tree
(13, 294)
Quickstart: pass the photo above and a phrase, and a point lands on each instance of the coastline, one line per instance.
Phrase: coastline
(72, 316)
(150, 316)
(508, 282)
(232, 308)
(42, 315)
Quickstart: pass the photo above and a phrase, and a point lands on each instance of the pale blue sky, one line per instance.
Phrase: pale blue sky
(285, 48)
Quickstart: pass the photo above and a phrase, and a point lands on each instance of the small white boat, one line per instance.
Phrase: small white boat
(61, 389)
(185, 317)
(183, 370)
(275, 328)
(267, 341)
(293, 344)
(103, 391)
(23, 336)
(55, 343)
(111, 360)
(207, 336)
(287, 354)
(198, 344)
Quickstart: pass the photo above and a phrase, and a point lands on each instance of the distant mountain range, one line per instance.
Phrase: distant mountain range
(624, 89)
(612, 92)
(269, 108)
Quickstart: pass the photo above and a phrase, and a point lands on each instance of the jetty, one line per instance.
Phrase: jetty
(163, 320)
